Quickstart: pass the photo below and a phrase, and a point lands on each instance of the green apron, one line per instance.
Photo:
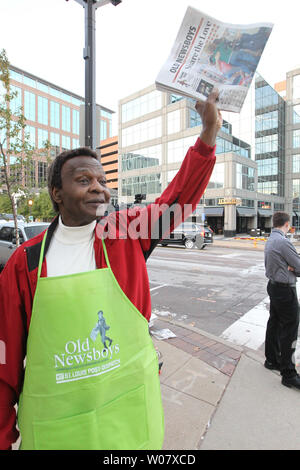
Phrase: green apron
(91, 378)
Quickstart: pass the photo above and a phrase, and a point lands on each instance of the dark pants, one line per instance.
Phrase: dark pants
(282, 328)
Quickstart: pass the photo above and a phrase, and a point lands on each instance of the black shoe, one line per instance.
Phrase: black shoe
(271, 365)
(291, 381)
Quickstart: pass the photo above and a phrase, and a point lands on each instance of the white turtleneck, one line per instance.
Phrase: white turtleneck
(71, 250)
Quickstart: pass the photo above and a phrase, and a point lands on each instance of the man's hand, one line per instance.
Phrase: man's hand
(290, 268)
(211, 118)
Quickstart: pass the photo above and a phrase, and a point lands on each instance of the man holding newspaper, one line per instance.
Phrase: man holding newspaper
(57, 306)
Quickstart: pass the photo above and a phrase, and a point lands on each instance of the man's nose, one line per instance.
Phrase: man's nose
(96, 186)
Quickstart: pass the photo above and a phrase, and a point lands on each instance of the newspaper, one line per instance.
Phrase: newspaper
(209, 54)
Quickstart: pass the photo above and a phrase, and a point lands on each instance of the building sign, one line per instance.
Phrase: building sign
(230, 201)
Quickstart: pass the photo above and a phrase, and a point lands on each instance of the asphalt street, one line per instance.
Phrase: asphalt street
(210, 289)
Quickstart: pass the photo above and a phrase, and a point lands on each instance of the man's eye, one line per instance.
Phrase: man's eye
(83, 180)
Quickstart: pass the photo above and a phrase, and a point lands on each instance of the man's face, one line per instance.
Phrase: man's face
(84, 195)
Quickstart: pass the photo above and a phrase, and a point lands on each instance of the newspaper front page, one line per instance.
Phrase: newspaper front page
(209, 54)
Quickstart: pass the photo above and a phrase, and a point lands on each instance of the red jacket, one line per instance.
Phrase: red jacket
(127, 253)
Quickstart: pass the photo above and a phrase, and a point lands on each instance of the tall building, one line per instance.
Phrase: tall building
(156, 129)
(109, 160)
(52, 114)
(251, 179)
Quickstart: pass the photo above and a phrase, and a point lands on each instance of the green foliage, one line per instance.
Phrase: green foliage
(5, 204)
(41, 208)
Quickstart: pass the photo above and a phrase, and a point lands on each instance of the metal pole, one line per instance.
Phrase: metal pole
(90, 75)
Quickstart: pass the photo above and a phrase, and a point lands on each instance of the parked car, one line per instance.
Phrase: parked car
(8, 239)
(9, 217)
(187, 234)
(208, 234)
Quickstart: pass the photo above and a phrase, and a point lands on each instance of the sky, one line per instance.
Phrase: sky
(133, 40)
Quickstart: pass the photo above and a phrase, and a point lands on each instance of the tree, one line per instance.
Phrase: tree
(41, 208)
(16, 152)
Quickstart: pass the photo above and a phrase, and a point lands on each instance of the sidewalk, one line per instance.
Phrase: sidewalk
(217, 395)
(245, 242)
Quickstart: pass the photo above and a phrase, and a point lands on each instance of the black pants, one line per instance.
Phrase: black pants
(282, 328)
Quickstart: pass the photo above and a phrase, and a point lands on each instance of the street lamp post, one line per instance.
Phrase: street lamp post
(30, 203)
(90, 7)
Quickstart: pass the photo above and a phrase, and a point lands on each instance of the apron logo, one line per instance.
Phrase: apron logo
(101, 328)
(82, 360)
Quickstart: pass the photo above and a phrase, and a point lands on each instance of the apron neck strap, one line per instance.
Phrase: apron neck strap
(43, 249)
(42, 255)
(105, 254)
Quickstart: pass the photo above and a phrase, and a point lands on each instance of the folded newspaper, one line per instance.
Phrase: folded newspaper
(209, 54)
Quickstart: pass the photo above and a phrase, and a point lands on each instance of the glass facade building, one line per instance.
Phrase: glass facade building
(52, 115)
(270, 110)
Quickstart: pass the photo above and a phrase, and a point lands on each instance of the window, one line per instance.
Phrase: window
(267, 167)
(30, 131)
(144, 184)
(54, 139)
(65, 142)
(244, 177)
(142, 158)
(142, 105)
(42, 110)
(16, 76)
(266, 144)
(103, 129)
(54, 92)
(296, 138)
(296, 87)
(296, 189)
(171, 174)
(268, 187)
(42, 138)
(75, 143)
(266, 121)
(217, 177)
(42, 173)
(142, 132)
(6, 234)
(195, 119)
(75, 125)
(265, 96)
(177, 149)
(174, 122)
(29, 105)
(65, 118)
(296, 114)
(54, 114)
(16, 102)
(29, 81)
(42, 87)
(296, 163)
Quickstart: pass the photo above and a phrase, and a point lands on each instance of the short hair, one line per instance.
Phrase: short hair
(54, 171)
(280, 218)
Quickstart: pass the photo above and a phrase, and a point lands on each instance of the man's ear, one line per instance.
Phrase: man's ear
(56, 195)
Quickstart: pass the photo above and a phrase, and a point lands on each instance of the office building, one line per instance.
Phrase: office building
(52, 114)
(252, 176)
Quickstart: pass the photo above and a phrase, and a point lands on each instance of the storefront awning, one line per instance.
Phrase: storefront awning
(265, 213)
(214, 211)
(246, 212)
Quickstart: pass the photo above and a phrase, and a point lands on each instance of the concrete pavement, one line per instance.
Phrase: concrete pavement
(218, 396)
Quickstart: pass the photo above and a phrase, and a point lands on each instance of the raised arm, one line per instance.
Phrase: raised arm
(182, 195)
